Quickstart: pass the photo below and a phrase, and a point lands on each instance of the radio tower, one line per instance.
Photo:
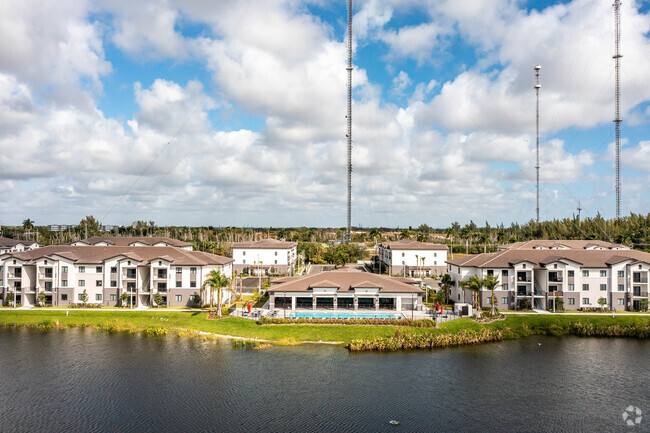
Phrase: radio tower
(537, 87)
(617, 119)
(349, 118)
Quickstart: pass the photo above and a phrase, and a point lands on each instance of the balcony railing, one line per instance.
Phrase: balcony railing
(640, 279)
(641, 293)
(128, 275)
(523, 279)
(42, 276)
(555, 279)
(523, 293)
(161, 276)
(15, 275)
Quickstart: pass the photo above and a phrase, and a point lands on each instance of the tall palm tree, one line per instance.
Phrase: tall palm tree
(215, 281)
(374, 233)
(491, 282)
(28, 224)
(445, 284)
(405, 234)
(474, 284)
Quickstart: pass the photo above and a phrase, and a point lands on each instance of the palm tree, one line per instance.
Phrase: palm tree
(445, 284)
(474, 284)
(374, 233)
(28, 224)
(405, 234)
(491, 282)
(216, 281)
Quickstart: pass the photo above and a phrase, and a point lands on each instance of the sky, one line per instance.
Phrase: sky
(232, 113)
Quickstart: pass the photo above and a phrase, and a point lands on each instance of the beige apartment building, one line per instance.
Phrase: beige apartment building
(541, 272)
(106, 272)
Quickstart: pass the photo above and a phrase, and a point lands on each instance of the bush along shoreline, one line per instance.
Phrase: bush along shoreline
(404, 341)
(418, 323)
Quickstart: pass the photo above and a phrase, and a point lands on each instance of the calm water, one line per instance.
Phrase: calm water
(83, 380)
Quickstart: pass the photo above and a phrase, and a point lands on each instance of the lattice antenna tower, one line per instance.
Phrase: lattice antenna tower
(349, 119)
(617, 120)
(537, 87)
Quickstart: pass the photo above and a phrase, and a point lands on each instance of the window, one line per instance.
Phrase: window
(243, 253)
(621, 288)
(489, 300)
(178, 283)
(79, 296)
(571, 288)
(179, 298)
(603, 273)
(244, 262)
(402, 254)
(571, 273)
(276, 253)
(276, 262)
(504, 273)
(48, 285)
(179, 270)
(98, 269)
(159, 263)
(113, 283)
(555, 266)
(505, 286)
(82, 283)
(64, 297)
(524, 266)
(585, 287)
(585, 273)
(621, 274)
(192, 270)
(113, 297)
(435, 254)
(620, 301)
(585, 301)
(98, 297)
(640, 267)
(192, 283)
(114, 270)
(98, 283)
(130, 287)
(162, 287)
(504, 300)
(64, 283)
(64, 269)
(603, 287)
(82, 269)
(572, 301)
(490, 272)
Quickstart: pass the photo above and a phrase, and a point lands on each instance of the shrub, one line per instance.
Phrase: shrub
(418, 323)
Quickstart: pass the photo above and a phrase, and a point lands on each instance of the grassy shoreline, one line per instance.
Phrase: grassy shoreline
(354, 337)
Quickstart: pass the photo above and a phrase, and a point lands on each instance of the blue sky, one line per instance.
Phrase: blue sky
(233, 113)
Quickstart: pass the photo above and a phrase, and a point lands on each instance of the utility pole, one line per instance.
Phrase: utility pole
(579, 209)
(537, 87)
(349, 119)
(617, 120)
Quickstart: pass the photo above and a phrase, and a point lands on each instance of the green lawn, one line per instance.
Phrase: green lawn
(515, 326)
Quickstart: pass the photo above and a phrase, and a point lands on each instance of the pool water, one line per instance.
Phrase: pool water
(333, 315)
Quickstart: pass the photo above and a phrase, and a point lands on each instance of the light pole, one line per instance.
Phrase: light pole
(412, 305)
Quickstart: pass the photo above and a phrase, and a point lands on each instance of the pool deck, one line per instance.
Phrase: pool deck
(280, 313)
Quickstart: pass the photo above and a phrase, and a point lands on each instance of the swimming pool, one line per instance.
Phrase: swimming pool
(337, 315)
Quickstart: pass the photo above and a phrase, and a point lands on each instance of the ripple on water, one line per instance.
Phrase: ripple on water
(83, 380)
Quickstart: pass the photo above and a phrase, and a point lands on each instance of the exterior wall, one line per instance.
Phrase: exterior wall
(282, 258)
(397, 259)
(266, 270)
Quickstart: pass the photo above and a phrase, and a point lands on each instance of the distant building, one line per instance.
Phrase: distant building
(60, 227)
(64, 272)
(133, 241)
(539, 272)
(266, 256)
(9, 245)
(406, 257)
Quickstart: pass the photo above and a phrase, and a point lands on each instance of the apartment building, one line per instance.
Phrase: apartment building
(133, 241)
(266, 257)
(8, 245)
(68, 273)
(540, 272)
(412, 258)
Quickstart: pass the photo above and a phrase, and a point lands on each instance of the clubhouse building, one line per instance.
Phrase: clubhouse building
(539, 273)
(345, 290)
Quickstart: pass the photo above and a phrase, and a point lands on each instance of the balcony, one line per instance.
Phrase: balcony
(641, 293)
(554, 277)
(160, 275)
(524, 278)
(523, 292)
(640, 278)
(129, 274)
(45, 275)
(14, 275)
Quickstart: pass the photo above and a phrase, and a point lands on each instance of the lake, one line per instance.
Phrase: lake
(85, 380)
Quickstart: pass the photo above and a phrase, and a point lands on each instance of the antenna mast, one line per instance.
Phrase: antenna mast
(617, 120)
(349, 119)
(537, 87)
